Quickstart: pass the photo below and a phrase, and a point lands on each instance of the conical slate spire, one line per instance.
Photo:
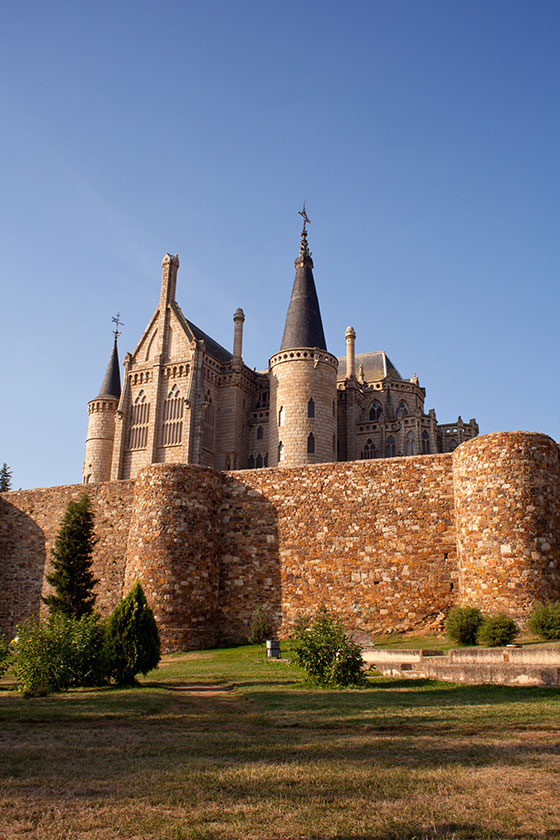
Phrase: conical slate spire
(111, 386)
(304, 327)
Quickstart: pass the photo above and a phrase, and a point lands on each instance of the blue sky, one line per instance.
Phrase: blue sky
(424, 137)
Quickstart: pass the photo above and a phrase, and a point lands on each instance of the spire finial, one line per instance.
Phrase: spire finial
(118, 323)
(303, 248)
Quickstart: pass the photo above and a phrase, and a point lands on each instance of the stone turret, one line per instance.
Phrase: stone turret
(101, 425)
(303, 378)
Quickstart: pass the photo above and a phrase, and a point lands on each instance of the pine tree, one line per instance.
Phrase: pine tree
(72, 577)
(5, 478)
(132, 643)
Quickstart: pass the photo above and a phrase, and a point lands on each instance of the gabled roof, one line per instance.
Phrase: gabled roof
(111, 385)
(212, 347)
(376, 365)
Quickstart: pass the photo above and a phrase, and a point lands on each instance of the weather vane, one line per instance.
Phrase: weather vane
(117, 320)
(305, 217)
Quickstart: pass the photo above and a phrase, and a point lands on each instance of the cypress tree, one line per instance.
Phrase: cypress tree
(72, 577)
(132, 643)
(5, 478)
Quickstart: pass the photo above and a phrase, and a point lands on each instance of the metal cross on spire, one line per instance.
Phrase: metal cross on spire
(117, 320)
(305, 217)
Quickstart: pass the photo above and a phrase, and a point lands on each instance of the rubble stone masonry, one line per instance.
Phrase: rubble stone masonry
(391, 544)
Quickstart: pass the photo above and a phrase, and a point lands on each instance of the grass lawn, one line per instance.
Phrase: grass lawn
(222, 744)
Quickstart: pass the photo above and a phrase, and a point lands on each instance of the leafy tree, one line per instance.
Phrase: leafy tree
(544, 621)
(259, 628)
(131, 638)
(72, 577)
(462, 625)
(5, 478)
(328, 655)
(497, 630)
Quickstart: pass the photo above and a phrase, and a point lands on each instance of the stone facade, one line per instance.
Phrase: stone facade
(187, 400)
(391, 543)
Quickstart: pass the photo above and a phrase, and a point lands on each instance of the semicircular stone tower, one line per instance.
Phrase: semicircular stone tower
(303, 419)
(101, 424)
(173, 550)
(507, 509)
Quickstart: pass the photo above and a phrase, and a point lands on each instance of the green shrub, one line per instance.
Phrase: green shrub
(544, 621)
(58, 654)
(497, 630)
(260, 628)
(4, 656)
(326, 653)
(462, 625)
(131, 638)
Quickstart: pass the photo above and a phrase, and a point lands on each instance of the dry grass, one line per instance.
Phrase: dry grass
(195, 756)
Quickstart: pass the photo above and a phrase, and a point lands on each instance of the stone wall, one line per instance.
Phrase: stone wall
(29, 522)
(391, 544)
(507, 497)
(373, 540)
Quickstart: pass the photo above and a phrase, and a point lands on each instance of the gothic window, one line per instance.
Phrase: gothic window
(139, 419)
(376, 410)
(172, 429)
(311, 408)
(452, 445)
(251, 462)
(281, 416)
(425, 443)
(402, 409)
(390, 447)
(260, 432)
(310, 444)
(259, 461)
(369, 450)
(410, 444)
(208, 423)
(280, 451)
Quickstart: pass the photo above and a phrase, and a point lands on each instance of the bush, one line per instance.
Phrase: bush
(58, 654)
(462, 625)
(544, 621)
(497, 630)
(260, 628)
(328, 655)
(131, 638)
(4, 656)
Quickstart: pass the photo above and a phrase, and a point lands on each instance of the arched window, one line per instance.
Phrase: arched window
(390, 448)
(139, 419)
(172, 428)
(310, 444)
(452, 445)
(425, 443)
(311, 408)
(402, 409)
(259, 461)
(281, 416)
(208, 424)
(369, 450)
(410, 444)
(263, 399)
(280, 451)
(260, 432)
(251, 462)
(376, 410)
